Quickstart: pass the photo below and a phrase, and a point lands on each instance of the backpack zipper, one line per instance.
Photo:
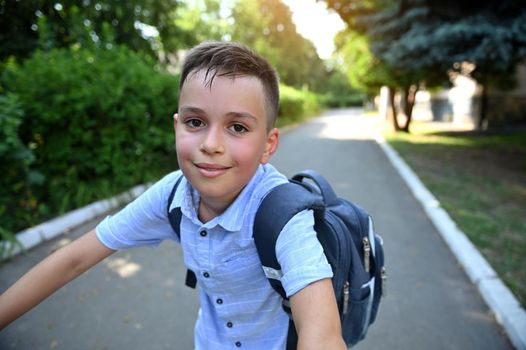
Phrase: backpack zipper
(332, 220)
(345, 297)
(344, 259)
(383, 274)
(366, 253)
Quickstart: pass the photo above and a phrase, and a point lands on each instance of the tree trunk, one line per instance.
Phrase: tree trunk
(409, 103)
(391, 108)
(482, 125)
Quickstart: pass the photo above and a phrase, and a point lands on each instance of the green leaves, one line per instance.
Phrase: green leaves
(33, 24)
(267, 27)
(75, 118)
(296, 105)
(15, 162)
(423, 37)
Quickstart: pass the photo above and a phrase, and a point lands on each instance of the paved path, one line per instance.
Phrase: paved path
(136, 299)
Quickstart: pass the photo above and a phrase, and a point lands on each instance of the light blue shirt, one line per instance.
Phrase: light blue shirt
(239, 308)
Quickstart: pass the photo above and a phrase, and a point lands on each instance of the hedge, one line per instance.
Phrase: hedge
(81, 125)
(296, 105)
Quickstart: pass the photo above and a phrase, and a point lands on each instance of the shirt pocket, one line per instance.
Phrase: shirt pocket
(240, 270)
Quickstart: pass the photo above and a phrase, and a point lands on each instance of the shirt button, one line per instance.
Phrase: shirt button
(203, 233)
(238, 344)
(230, 324)
(219, 301)
(206, 274)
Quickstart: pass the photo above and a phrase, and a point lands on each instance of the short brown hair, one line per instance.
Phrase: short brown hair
(234, 59)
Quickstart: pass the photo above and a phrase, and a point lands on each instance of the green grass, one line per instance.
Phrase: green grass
(480, 179)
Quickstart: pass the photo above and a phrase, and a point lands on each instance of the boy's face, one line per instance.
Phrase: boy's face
(221, 135)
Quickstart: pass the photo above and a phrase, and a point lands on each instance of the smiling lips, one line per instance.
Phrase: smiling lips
(211, 170)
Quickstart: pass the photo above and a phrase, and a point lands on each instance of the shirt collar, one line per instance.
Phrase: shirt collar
(234, 216)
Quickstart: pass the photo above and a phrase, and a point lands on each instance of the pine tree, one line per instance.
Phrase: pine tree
(424, 39)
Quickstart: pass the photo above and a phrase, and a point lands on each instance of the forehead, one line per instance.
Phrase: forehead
(223, 93)
(207, 77)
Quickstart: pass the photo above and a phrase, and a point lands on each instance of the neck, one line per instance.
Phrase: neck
(207, 211)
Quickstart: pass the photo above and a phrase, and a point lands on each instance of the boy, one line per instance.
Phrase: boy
(225, 137)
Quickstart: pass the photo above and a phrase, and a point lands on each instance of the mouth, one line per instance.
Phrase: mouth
(211, 170)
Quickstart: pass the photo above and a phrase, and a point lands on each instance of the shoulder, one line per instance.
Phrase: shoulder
(267, 177)
(297, 231)
(144, 221)
(163, 187)
(300, 254)
(155, 197)
(168, 181)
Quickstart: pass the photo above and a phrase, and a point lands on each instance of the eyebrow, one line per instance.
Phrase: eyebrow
(243, 115)
(190, 109)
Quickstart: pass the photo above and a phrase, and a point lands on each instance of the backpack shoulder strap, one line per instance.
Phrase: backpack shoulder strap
(277, 208)
(325, 189)
(174, 216)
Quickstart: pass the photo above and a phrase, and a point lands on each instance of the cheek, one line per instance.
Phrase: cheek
(249, 153)
(183, 145)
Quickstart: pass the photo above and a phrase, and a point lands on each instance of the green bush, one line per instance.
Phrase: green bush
(16, 177)
(296, 104)
(338, 92)
(334, 100)
(96, 122)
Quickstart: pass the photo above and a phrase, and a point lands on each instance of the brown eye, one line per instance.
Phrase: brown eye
(194, 123)
(238, 128)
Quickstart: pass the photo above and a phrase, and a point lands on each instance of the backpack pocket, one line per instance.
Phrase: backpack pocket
(355, 306)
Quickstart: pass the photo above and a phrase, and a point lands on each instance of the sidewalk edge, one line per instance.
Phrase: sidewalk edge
(45, 231)
(501, 301)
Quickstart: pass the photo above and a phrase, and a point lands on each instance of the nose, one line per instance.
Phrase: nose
(212, 142)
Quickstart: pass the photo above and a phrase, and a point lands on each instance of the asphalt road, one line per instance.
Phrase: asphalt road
(136, 299)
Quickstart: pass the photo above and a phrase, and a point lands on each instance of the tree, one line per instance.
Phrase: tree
(201, 20)
(425, 37)
(267, 26)
(369, 73)
(27, 24)
(18, 35)
(364, 70)
(337, 90)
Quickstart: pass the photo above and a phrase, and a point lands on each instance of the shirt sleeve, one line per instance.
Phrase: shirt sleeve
(300, 254)
(143, 222)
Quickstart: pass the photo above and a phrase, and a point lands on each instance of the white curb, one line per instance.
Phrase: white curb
(33, 236)
(508, 311)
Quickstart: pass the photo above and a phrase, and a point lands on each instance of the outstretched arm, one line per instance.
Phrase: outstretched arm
(316, 317)
(51, 274)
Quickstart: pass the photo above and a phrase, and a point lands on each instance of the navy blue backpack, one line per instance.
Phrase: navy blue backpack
(346, 233)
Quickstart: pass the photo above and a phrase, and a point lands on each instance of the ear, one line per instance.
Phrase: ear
(176, 117)
(271, 145)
